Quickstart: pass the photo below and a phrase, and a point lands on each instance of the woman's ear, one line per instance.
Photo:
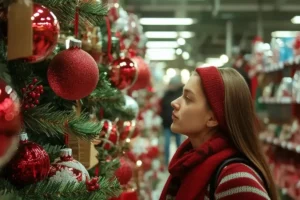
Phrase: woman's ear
(212, 122)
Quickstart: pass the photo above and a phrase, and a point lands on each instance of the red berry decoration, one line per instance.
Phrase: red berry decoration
(73, 73)
(31, 164)
(46, 29)
(123, 73)
(124, 172)
(31, 94)
(66, 169)
(93, 184)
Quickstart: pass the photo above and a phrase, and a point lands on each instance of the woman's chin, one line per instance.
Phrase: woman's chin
(174, 128)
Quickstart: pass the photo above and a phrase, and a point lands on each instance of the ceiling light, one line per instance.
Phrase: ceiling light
(185, 74)
(160, 57)
(217, 62)
(284, 34)
(161, 44)
(167, 21)
(171, 72)
(169, 34)
(296, 20)
(224, 58)
(178, 51)
(163, 51)
(181, 41)
(185, 55)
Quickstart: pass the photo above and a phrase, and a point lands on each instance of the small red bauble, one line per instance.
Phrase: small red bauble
(124, 172)
(10, 117)
(45, 32)
(73, 73)
(66, 169)
(144, 74)
(127, 129)
(108, 137)
(110, 133)
(123, 73)
(30, 164)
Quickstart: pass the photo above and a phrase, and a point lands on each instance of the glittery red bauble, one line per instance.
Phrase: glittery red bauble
(66, 169)
(123, 73)
(45, 32)
(124, 172)
(10, 118)
(73, 74)
(143, 76)
(30, 164)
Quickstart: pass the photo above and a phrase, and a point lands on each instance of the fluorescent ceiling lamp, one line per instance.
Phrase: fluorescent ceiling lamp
(185, 74)
(185, 55)
(178, 51)
(224, 58)
(284, 34)
(160, 51)
(160, 57)
(171, 72)
(296, 20)
(181, 41)
(217, 62)
(167, 21)
(162, 44)
(169, 34)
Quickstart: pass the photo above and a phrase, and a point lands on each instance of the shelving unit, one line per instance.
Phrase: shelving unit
(280, 145)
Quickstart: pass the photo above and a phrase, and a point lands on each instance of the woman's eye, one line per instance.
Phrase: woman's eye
(186, 97)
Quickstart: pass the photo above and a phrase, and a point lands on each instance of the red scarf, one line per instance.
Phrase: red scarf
(191, 169)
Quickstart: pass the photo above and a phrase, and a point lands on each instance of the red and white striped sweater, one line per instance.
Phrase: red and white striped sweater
(238, 181)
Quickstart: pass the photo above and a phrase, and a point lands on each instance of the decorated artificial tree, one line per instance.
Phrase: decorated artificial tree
(65, 118)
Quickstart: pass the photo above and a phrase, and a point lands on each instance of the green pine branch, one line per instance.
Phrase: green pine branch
(46, 190)
(52, 122)
(89, 11)
(53, 151)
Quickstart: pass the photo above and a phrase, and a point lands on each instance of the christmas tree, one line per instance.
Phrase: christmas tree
(65, 118)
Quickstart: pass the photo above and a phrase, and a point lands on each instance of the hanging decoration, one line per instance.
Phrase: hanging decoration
(73, 74)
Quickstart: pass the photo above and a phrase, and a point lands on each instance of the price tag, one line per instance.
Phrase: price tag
(20, 36)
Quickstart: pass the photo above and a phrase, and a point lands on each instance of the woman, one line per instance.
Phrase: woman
(216, 112)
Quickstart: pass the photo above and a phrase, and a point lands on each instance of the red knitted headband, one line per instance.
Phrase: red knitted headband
(214, 90)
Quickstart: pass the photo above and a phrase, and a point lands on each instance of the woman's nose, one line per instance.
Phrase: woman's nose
(175, 104)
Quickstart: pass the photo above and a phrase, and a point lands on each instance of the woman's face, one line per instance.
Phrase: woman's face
(191, 112)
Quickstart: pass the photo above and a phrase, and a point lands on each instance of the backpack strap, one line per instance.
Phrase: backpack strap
(214, 179)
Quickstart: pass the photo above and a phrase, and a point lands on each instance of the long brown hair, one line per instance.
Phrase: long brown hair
(243, 125)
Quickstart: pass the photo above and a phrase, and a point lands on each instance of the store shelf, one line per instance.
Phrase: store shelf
(280, 143)
(274, 100)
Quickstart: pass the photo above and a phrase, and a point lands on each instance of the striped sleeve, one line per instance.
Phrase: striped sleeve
(239, 181)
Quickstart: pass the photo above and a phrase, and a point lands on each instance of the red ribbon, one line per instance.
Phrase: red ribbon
(109, 56)
(76, 22)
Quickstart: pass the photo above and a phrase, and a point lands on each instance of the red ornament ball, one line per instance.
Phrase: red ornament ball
(124, 172)
(10, 117)
(66, 169)
(46, 29)
(110, 133)
(30, 164)
(123, 73)
(127, 129)
(73, 73)
(143, 75)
